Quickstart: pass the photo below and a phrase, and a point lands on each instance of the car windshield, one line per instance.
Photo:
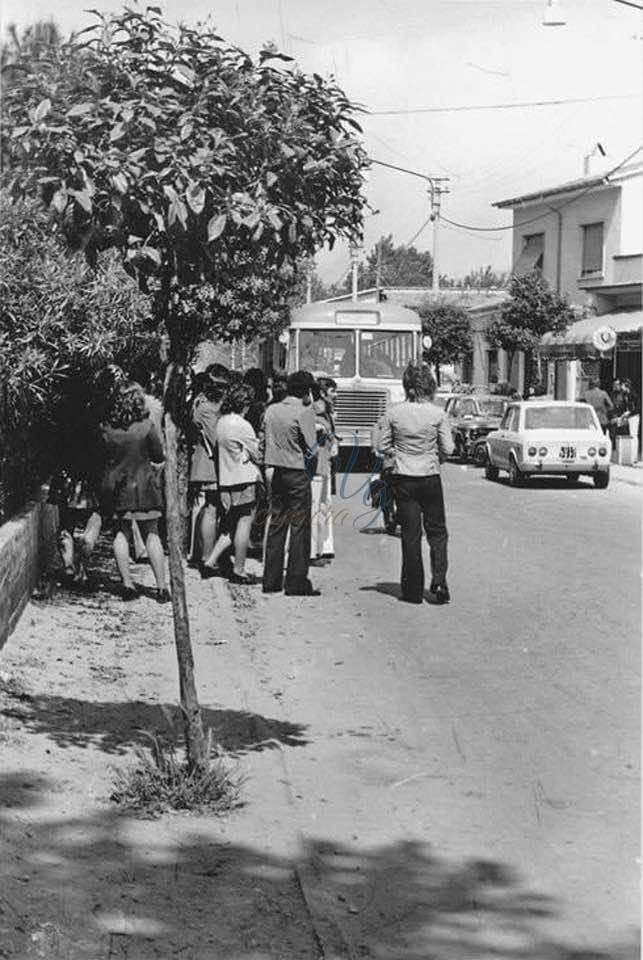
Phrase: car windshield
(491, 407)
(559, 418)
(332, 351)
(384, 354)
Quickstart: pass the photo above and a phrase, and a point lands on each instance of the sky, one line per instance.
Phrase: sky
(440, 81)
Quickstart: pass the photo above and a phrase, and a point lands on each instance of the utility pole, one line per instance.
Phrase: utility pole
(309, 281)
(436, 189)
(354, 269)
(378, 270)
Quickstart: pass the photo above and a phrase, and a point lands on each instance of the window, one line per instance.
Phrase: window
(384, 354)
(532, 255)
(539, 417)
(492, 366)
(330, 351)
(504, 425)
(467, 408)
(592, 262)
(492, 407)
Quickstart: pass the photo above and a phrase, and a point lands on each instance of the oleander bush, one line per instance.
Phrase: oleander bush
(60, 323)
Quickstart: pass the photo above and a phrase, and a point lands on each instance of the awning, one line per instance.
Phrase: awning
(577, 343)
(531, 256)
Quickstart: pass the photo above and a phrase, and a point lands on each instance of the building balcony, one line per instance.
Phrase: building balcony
(628, 268)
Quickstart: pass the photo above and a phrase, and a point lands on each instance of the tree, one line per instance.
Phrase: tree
(450, 331)
(484, 278)
(390, 266)
(215, 177)
(532, 310)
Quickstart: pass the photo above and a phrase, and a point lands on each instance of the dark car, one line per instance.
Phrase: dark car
(472, 417)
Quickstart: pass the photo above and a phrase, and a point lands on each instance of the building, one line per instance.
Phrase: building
(586, 237)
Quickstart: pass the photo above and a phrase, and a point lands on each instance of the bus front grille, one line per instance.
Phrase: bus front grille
(359, 408)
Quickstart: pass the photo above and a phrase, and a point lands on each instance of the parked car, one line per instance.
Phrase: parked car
(472, 417)
(555, 437)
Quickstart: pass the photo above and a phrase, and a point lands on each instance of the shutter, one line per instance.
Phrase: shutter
(592, 249)
(531, 256)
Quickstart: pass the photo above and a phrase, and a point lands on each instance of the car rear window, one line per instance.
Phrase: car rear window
(559, 418)
(492, 408)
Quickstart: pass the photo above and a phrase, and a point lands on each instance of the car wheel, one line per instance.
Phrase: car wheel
(602, 479)
(490, 472)
(480, 455)
(516, 476)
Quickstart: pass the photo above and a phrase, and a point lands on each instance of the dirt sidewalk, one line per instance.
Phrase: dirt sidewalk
(82, 679)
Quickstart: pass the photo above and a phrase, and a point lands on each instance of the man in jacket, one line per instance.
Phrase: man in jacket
(289, 436)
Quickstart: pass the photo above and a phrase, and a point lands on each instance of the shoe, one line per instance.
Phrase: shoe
(438, 594)
(328, 556)
(207, 572)
(163, 596)
(240, 578)
(271, 589)
(318, 562)
(411, 599)
(307, 592)
(129, 593)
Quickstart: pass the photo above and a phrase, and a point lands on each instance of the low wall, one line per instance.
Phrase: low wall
(27, 546)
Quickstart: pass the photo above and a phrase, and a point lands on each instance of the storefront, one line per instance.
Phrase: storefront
(577, 357)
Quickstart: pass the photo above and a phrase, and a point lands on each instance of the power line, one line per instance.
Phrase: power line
(498, 106)
(543, 216)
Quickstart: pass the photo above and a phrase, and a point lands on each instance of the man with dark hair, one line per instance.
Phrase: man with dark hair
(600, 401)
(289, 435)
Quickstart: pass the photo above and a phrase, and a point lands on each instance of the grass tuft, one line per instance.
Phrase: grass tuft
(159, 781)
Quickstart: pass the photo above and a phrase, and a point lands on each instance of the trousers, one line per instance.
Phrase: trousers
(420, 505)
(290, 511)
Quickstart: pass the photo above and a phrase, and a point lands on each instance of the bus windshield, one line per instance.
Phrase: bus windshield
(384, 354)
(330, 351)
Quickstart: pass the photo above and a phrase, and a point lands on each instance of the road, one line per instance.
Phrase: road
(470, 787)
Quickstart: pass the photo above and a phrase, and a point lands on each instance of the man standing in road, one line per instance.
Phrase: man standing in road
(601, 402)
(289, 435)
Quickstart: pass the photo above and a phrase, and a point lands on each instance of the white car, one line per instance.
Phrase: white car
(555, 437)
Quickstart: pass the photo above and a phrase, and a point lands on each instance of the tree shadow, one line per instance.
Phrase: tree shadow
(116, 726)
(105, 885)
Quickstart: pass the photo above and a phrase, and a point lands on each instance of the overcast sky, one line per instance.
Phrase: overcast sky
(411, 63)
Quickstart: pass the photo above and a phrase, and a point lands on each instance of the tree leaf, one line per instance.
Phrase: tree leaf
(195, 197)
(271, 178)
(119, 180)
(59, 200)
(186, 131)
(83, 198)
(117, 133)
(152, 254)
(80, 108)
(42, 110)
(216, 226)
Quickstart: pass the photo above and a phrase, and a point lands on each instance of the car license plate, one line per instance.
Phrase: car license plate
(568, 453)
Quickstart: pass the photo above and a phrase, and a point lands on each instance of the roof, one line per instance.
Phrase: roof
(606, 179)
(577, 342)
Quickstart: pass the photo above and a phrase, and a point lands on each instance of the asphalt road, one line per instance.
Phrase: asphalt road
(470, 788)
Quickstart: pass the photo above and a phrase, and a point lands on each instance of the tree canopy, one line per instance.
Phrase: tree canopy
(450, 331)
(213, 174)
(532, 310)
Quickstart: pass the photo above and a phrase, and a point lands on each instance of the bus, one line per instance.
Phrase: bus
(365, 347)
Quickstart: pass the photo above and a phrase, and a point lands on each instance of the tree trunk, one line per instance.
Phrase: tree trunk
(196, 742)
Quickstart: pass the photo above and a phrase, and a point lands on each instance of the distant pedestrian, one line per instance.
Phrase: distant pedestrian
(289, 436)
(600, 401)
(131, 487)
(417, 436)
(322, 548)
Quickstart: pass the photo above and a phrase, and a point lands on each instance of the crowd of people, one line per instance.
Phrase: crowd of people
(615, 411)
(260, 477)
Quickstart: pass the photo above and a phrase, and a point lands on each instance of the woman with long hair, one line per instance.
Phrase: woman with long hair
(416, 436)
(131, 488)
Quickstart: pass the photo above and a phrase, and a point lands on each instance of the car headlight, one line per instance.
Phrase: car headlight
(591, 452)
(602, 451)
(532, 451)
(542, 452)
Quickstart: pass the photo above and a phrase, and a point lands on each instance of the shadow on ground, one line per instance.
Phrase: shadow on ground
(105, 885)
(115, 726)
